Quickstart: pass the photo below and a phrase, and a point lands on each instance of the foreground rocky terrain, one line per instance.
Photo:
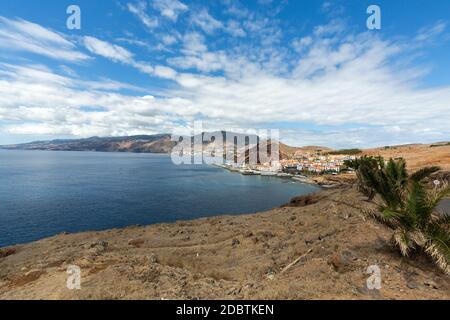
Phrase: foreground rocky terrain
(318, 247)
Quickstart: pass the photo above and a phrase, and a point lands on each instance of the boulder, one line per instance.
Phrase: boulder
(341, 262)
(137, 243)
(7, 252)
(303, 201)
(98, 246)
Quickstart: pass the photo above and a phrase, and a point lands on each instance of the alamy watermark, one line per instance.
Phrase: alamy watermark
(239, 146)
(73, 22)
(374, 281)
(374, 20)
(74, 279)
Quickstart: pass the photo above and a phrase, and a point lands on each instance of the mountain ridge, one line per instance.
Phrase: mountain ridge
(416, 154)
(157, 143)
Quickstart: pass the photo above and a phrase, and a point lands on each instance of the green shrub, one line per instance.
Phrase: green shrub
(349, 152)
(440, 145)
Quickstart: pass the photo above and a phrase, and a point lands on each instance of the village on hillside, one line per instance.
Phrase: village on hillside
(299, 166)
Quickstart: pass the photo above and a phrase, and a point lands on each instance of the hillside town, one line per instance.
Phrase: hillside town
(316, 163)
(301, 165)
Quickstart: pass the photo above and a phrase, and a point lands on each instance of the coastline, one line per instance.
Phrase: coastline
(323, 181)
(228, 257)
(78, 191)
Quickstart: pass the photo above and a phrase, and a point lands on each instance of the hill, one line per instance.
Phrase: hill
(140, 144)
(416, 155)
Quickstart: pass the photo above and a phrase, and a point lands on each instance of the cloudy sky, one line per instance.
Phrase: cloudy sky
(309, 68)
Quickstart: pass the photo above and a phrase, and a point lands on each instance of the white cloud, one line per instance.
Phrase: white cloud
(206, 22)
(170, 9)
(302, 43)
(197, 56)
(194, 42)
(344, 86)
(210, 25)
(338, 82)
(107, 50)
(264, 29)
(169, 40)
(430, 32)
(234, 28)
(165, 72)
(143, 67)
(135, 42)
(335, 26)
(22, 35)
(115, 53)
(235, 8)
(35, 100)
(139, 10)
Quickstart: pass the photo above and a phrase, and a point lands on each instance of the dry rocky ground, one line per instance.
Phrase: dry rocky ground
(417, 155)
(229, 257)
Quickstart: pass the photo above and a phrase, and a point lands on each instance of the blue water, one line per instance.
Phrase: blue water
(43, 193)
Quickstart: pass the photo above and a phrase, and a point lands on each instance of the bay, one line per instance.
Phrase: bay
(43, 193)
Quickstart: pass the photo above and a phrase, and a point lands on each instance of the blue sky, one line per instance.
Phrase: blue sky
(309, 68)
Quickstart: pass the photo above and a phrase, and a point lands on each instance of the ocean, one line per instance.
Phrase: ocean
(43, 193)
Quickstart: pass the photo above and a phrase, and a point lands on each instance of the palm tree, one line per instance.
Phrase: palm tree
(408, 208)
(375, 176)
(364, 167)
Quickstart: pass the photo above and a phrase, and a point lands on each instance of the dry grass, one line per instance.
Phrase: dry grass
(226, 257)
(417, 156)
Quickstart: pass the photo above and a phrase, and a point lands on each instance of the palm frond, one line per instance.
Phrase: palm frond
(436, 196)
(438, 246)
(418, 237)
(417, 205)
(380, 218)
(396, 171)
(423, 173)
(434, 249)
(402, 240)
(443, 220)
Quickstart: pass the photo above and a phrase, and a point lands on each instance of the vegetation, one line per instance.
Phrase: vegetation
(364, 167)
(349, 152)
(408, 206)
(440, 145)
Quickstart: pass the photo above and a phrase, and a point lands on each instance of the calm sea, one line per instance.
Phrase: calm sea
(43, 193)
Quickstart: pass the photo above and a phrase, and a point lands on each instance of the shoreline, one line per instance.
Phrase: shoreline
(289, 177)
(155, 224)
(227, 257)
(77, 207)
(312, 180)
